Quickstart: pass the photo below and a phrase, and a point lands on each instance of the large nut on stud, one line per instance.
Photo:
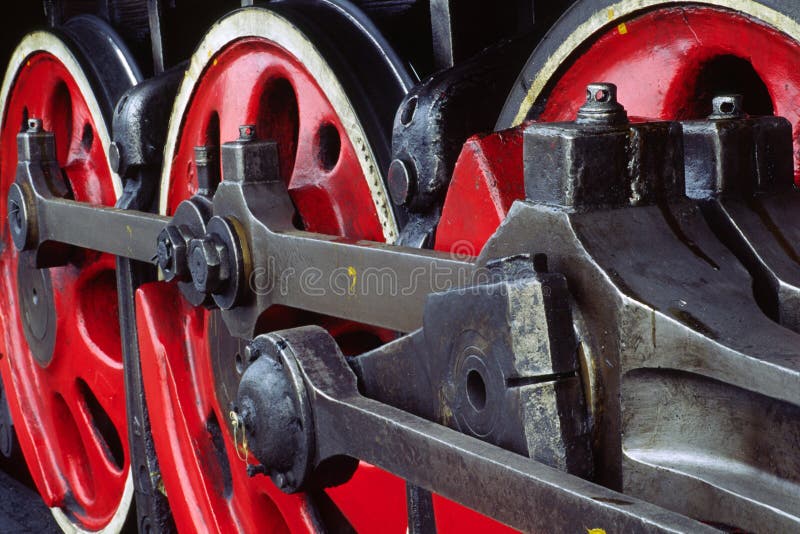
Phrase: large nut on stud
(218, 262)
(208, 263)
(602, 161)
(735, 156)
(172, 253)
(273, 405)
(601, 107)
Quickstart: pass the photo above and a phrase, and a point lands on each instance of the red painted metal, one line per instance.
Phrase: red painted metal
(486, 180)
(70, 461)
(254, 81)
(210, 485)
(658, 59)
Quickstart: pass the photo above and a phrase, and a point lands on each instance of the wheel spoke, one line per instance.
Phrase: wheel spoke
(104, 386)
(96, 451)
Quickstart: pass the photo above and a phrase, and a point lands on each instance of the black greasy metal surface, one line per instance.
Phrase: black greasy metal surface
(22, 510)
(140, 126)
(105, 59)
(432, 124)
(511, 488)
(602, 160)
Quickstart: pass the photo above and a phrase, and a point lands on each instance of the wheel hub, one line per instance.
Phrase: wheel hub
(37, 309)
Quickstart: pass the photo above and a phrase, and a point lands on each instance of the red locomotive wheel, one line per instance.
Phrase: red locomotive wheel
(61, 355)
(668, 62)
(254, 67)
(668, 59)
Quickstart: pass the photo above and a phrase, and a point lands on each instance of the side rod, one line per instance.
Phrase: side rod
(508, 487)
(125, 233)
(361, 281)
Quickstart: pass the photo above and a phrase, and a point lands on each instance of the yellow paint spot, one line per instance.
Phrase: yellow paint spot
(595, 531)
(130, 231)
(28, 64)
(351, 272)
(610, 14)
(214, 63)
(622, 29)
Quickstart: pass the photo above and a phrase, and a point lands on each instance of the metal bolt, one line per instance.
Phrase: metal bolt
(35, 126)
(601, 107)
(250, 354)
(171, 253)
(208, 264)
(208, 171)
(114, 156)
(727, 107)
(247, 132)
(401, 181)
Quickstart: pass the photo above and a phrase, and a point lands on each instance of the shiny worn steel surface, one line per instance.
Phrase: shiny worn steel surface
(496, 361)
(366, 282)
(741, 170)
(654, 344)
(513, 489)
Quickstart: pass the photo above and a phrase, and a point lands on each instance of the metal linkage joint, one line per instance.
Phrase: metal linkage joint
(43, 218)
(307, 424)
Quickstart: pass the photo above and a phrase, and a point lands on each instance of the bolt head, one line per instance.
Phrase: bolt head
(171, 253)
(207, 264)
(114, 157)
(247, 132)
(401, 181)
